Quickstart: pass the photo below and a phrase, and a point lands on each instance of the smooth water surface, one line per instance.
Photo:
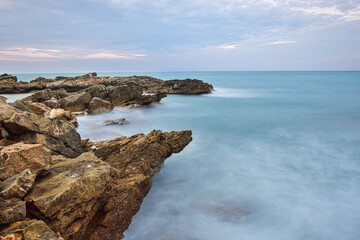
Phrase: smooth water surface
(275, 155)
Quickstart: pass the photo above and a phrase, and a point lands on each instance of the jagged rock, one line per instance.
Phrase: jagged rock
(66, 197)
(99, 91)
(120, 121)
(98, 105)
(3, 99)
(137, 159)
(146, 99)
(29, 230)
(47, 94)
(20, 105)
(8, 78)
(75, 102)
(120, 94)
(20, 156)
(37, 107)
(17, 185)
(57, 135)
(12, 210)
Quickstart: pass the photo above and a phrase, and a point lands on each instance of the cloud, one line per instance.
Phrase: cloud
(280, 42)
(106, 55)
(32, 54)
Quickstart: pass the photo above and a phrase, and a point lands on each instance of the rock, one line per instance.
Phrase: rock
(8, 78)
(57, 135)
(29, 230)
(3, 99)
(75, 102)
(20, 105)
(20, 156)
(119, 121)
(187, 86)
(47, 94)
(99, 91)
(60, 113)
(18, 185)
(66, 197)
(120, 94)
(98, 105)
(12, 210)
(137, 159)
(146, 99)
(37, 107)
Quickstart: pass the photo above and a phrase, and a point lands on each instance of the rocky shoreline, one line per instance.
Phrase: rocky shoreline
(55, 185)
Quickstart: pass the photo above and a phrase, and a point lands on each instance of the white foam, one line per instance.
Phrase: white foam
(236, 93)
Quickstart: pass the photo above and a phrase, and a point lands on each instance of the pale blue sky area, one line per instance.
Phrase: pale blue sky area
(169, 35)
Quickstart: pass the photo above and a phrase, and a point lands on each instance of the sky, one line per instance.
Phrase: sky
(181, 35)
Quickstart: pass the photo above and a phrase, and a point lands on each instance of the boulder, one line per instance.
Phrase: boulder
(75, 102)
(29, 230)
(37, 107)
(123, 93)
(98, 105)
(60, 113)
(17, 185)
(58, 135)
(12, 210)
(99, 91)
(66, 196)
(20, 156)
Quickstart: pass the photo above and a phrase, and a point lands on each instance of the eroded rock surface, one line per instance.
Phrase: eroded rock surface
(20, 156)
(29, 230)
(17, 185)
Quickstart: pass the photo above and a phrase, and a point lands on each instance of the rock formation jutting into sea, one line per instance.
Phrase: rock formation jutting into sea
(55, 185)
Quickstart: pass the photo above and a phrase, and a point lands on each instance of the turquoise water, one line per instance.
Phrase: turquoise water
(275, 155)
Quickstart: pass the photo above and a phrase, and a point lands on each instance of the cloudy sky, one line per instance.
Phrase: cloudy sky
(178, 35)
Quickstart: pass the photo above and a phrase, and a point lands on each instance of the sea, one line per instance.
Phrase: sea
(275, 156)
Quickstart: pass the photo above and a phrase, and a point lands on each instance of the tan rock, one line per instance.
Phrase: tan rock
(98, 105)
(29, 230)
(75, 102)
(12, 211)
(66, 197)
(18, 185)
(18, 157)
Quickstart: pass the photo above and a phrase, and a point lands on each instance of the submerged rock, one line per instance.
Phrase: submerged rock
(119, 121)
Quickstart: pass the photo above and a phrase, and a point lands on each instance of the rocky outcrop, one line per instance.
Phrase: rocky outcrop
(74, 84)
(29, 230)
(137, 159)
(20, 156)
(18, 185)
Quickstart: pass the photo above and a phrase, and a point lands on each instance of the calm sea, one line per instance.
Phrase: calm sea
(275, 155)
